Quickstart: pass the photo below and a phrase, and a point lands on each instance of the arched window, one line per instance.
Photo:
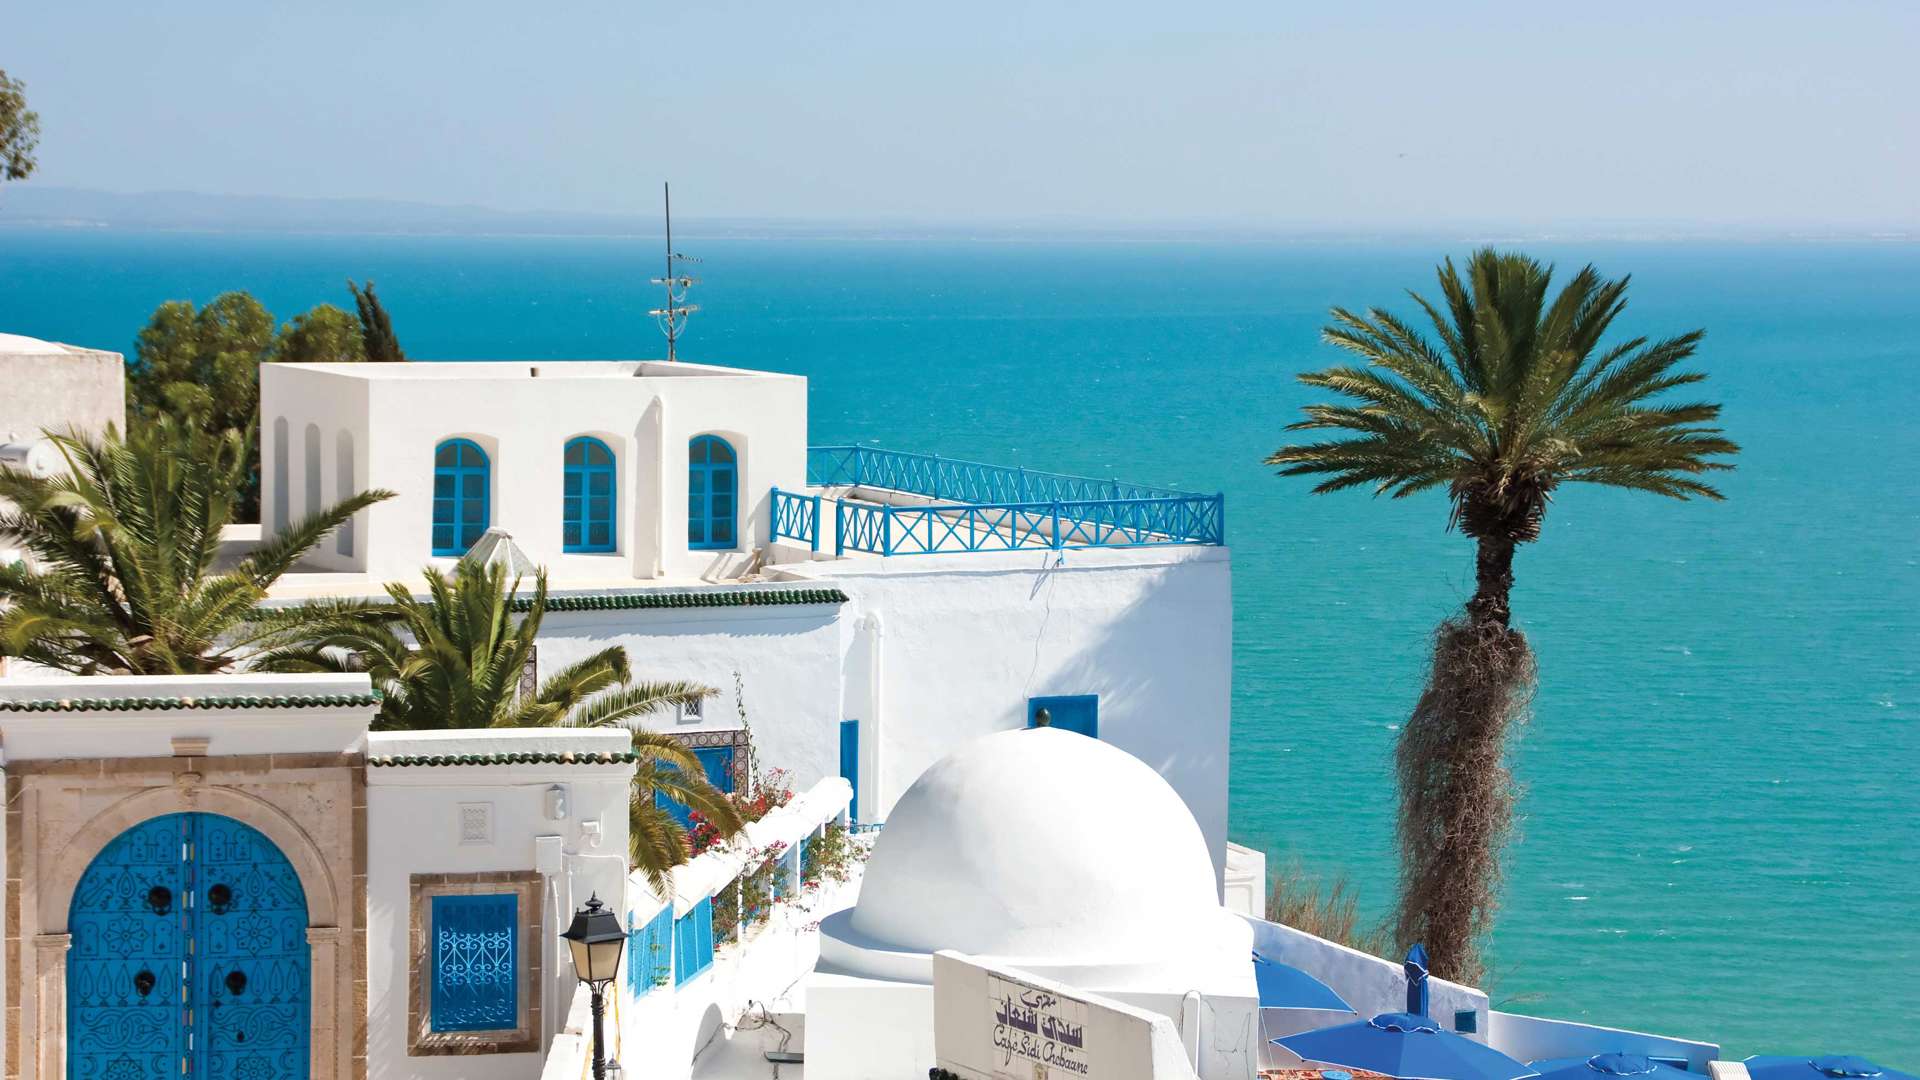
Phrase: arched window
(280, 496)
(712, 491)
(588, 496)
(312, 455)
(460, 501)
(343, 487)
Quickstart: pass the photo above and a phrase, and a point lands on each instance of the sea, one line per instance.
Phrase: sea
(1720, 820)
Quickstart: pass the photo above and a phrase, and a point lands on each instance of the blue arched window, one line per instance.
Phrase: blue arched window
(713, 481)
(460, 496)
(588, 496)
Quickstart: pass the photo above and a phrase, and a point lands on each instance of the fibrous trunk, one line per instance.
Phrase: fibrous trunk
(1456, 795)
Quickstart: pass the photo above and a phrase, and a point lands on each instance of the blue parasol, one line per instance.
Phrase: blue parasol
(1415, 966)
(1829, 1067)
(1608, 1066)
(1405, 1046)
(1285, 987)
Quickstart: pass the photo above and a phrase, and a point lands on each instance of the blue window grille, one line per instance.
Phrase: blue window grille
(713, 488)
(1074, 712)
(461, 496)
(716, 762)
(649, 952)
(588, 496)
(476, 972)
(850, 763)
(693, 942)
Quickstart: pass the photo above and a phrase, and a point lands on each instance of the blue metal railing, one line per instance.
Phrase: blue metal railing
(796, 517)
(986, 508)
(937, 477)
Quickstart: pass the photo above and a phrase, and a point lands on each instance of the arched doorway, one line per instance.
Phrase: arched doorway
(189, 957)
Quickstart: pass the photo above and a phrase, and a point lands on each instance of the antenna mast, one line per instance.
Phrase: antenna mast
(673, 317)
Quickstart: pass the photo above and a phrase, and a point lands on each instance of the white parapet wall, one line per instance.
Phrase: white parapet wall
(1371, 984)
(1535, 1038)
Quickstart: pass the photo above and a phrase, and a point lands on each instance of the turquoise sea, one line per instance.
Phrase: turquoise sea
(1721, 830)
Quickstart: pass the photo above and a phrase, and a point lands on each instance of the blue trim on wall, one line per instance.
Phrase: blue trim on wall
(713, 494)
(462, 496)
(589, 497)
(1069, 712)
(850, 763)
(649, 952)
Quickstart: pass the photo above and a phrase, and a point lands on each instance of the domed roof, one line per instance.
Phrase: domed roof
(20, 344)
(1043, 844)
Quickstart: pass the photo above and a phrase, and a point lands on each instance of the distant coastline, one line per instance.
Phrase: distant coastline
(43, 207)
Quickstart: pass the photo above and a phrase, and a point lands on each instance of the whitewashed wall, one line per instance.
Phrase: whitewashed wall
(396, 414)
(413, 828)
(964, 640)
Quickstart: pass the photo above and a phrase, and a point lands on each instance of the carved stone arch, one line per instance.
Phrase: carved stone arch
(64, 871)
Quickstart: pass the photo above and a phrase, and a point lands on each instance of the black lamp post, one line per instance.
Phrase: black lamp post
(596, 939)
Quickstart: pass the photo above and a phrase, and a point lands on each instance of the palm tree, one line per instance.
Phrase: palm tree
(120, 578)
(1519, 396)
(456, 659)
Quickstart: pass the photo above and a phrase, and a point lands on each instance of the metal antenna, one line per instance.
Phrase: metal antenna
(673, 317)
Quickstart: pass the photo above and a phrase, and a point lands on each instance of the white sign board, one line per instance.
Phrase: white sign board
(1036, 1032)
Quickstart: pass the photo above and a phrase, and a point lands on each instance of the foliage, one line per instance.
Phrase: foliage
(19, 130)
(1519, 396)
(768, 792)
(202, 365)
(376, 330)
(324, 335)
(120, 576)
(1294, 898)
(456, 659)
(828, 855)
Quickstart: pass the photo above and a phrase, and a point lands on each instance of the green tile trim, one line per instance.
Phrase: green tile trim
(710, 598)
(530, 757)
(151, 704)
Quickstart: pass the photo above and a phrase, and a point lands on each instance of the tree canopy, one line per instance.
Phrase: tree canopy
(19, 130)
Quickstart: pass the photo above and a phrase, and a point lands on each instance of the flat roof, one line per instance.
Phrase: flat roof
(532, 369)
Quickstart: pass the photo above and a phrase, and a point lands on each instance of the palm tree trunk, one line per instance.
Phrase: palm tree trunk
(1494, 580)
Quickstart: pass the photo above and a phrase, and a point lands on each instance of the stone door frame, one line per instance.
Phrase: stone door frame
(52, 846)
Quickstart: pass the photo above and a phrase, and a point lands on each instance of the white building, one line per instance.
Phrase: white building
(878, 608)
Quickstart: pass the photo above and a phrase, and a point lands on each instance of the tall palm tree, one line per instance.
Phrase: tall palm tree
(120, 578)
(1520, 395)
(455, 660)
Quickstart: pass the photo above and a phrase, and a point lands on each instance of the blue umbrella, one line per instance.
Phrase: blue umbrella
(1830, 1067)
(1405, 1046)
(1608, 1066)
(1416, 968)
(1285, 987)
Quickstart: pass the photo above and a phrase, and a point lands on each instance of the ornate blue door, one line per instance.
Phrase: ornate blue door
(189, 957)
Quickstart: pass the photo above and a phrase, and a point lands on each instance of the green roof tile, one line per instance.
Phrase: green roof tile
(152, 704)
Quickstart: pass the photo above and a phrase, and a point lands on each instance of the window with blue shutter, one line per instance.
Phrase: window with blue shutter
(649, 952)
(713, 481)
(462, 479)
(475, 977)
(588, 499)
(693, 942)
(1073, 712)
(717, 763)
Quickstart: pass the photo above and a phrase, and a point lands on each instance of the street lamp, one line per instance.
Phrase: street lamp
(595, 939)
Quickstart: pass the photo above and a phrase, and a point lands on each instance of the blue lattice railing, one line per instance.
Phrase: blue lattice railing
(796, 517)
(987, 507)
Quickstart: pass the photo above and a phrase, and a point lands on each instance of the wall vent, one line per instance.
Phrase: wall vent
(476, 823)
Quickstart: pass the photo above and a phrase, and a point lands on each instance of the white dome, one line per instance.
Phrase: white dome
(1047, 847)
(20, 344)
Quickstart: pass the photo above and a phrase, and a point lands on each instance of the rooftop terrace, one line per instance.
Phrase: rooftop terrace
(887, 502)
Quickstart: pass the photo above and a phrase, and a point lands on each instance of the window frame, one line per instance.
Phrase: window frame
(705, 470)
(698, 948)
(654, 938)
(586, 470)
(524, 1036)
(459, 501)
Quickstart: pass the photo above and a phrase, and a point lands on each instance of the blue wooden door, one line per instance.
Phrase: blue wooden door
(1073, 712)
(189, 957)
(850, 763)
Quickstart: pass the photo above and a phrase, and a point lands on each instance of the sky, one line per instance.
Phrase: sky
(1331, 114)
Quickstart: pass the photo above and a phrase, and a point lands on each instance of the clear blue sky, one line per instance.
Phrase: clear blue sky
(1330, 113)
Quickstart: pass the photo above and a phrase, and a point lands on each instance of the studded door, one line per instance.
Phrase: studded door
(189, 957)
